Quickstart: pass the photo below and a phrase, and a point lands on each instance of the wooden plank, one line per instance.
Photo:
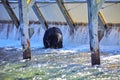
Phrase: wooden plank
(11, 12)
(40, 16)
(93, 8)
(24, 28)
(66, 15)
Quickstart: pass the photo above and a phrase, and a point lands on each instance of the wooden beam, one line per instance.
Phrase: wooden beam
(93, 8)
(67, 2)
(80, 1)
(30, 4)
(101, 21)
(60, 23)
(102, 25)
(24, 28)
(66, 15)
(102, 18)
(10, 12)
(101, 29)
(28, 1)
(40, 16)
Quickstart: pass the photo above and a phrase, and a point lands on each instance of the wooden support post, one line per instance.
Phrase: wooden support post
(24, 27)
(66, 15)
(93, 8)
(40, 16)
(11, 12)
(102, 25)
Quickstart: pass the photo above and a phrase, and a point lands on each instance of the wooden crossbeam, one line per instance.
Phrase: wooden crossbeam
(28, 1)
(101, 16)
(40, 16)
(31, 2)
(102, 25)
(66, 15)
(93, 9)
(80, 1)
(24, 28)
(11, 12)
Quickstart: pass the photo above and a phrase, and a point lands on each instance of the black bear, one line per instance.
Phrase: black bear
(53, 38)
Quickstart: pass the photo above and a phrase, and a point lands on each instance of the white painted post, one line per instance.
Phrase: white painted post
(24, 27)
(93, 9)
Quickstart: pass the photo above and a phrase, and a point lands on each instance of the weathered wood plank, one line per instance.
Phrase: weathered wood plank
(66, 15)
(93, 8)
(24, 27)
(11, 12)
(40, 16)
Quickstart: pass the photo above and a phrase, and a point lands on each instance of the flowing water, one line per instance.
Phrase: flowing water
(72, 62)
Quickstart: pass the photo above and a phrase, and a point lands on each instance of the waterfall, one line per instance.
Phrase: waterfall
(9, 31)
(112, 36)
(80, 37)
